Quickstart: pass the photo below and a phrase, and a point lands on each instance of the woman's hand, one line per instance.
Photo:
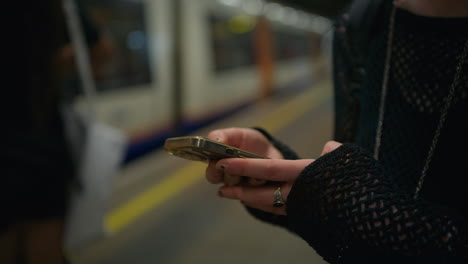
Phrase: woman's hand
(244, 138)
(276, 172)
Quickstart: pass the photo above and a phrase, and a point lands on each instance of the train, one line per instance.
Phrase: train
(178, 65)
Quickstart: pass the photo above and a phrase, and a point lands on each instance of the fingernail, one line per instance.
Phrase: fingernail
(219, 137)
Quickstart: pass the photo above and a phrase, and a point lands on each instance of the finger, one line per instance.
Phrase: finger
(244, 138)
(247, 139)
(330, 146)
(261, 198)
(232, 136)
(267, 208)
(214, 175)
(264, 169)
(217, 135)
(231, 180)
(255, 182)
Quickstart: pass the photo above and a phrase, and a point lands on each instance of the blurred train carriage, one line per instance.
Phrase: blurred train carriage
(220, 56)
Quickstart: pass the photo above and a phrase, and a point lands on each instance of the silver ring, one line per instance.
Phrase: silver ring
(278, 198)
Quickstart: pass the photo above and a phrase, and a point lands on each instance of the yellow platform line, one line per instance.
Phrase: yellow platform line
(124, 215)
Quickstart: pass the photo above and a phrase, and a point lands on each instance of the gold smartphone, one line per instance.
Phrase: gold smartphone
(203, 149)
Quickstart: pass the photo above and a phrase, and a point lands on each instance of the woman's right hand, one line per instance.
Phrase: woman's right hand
(244, 138)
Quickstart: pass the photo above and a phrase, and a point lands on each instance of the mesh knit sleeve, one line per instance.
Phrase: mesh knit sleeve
(348, 211)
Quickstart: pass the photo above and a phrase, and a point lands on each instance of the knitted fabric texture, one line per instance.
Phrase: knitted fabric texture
(345, 208)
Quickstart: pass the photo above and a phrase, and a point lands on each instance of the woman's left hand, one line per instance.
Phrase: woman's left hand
(277, 172)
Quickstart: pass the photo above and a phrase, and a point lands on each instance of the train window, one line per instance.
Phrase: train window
(122, 21)
(232, 41)
(291, 44)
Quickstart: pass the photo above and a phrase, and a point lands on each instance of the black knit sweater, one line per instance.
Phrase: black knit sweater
(352, 208)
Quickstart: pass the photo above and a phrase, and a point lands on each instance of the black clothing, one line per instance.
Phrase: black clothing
(352, 208)
(36, 164)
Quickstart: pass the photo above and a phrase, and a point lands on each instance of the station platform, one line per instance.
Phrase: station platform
(164, 211)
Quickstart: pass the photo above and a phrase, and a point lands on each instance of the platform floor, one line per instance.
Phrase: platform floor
(163, 211)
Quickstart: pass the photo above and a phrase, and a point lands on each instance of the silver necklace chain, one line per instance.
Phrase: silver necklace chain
(443, 117)
(383, 94)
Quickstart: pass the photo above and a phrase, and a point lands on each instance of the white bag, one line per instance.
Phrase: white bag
(102, 155)
(98, 150)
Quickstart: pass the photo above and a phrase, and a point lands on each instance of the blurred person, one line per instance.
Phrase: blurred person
(38, 169)
(390, 188)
